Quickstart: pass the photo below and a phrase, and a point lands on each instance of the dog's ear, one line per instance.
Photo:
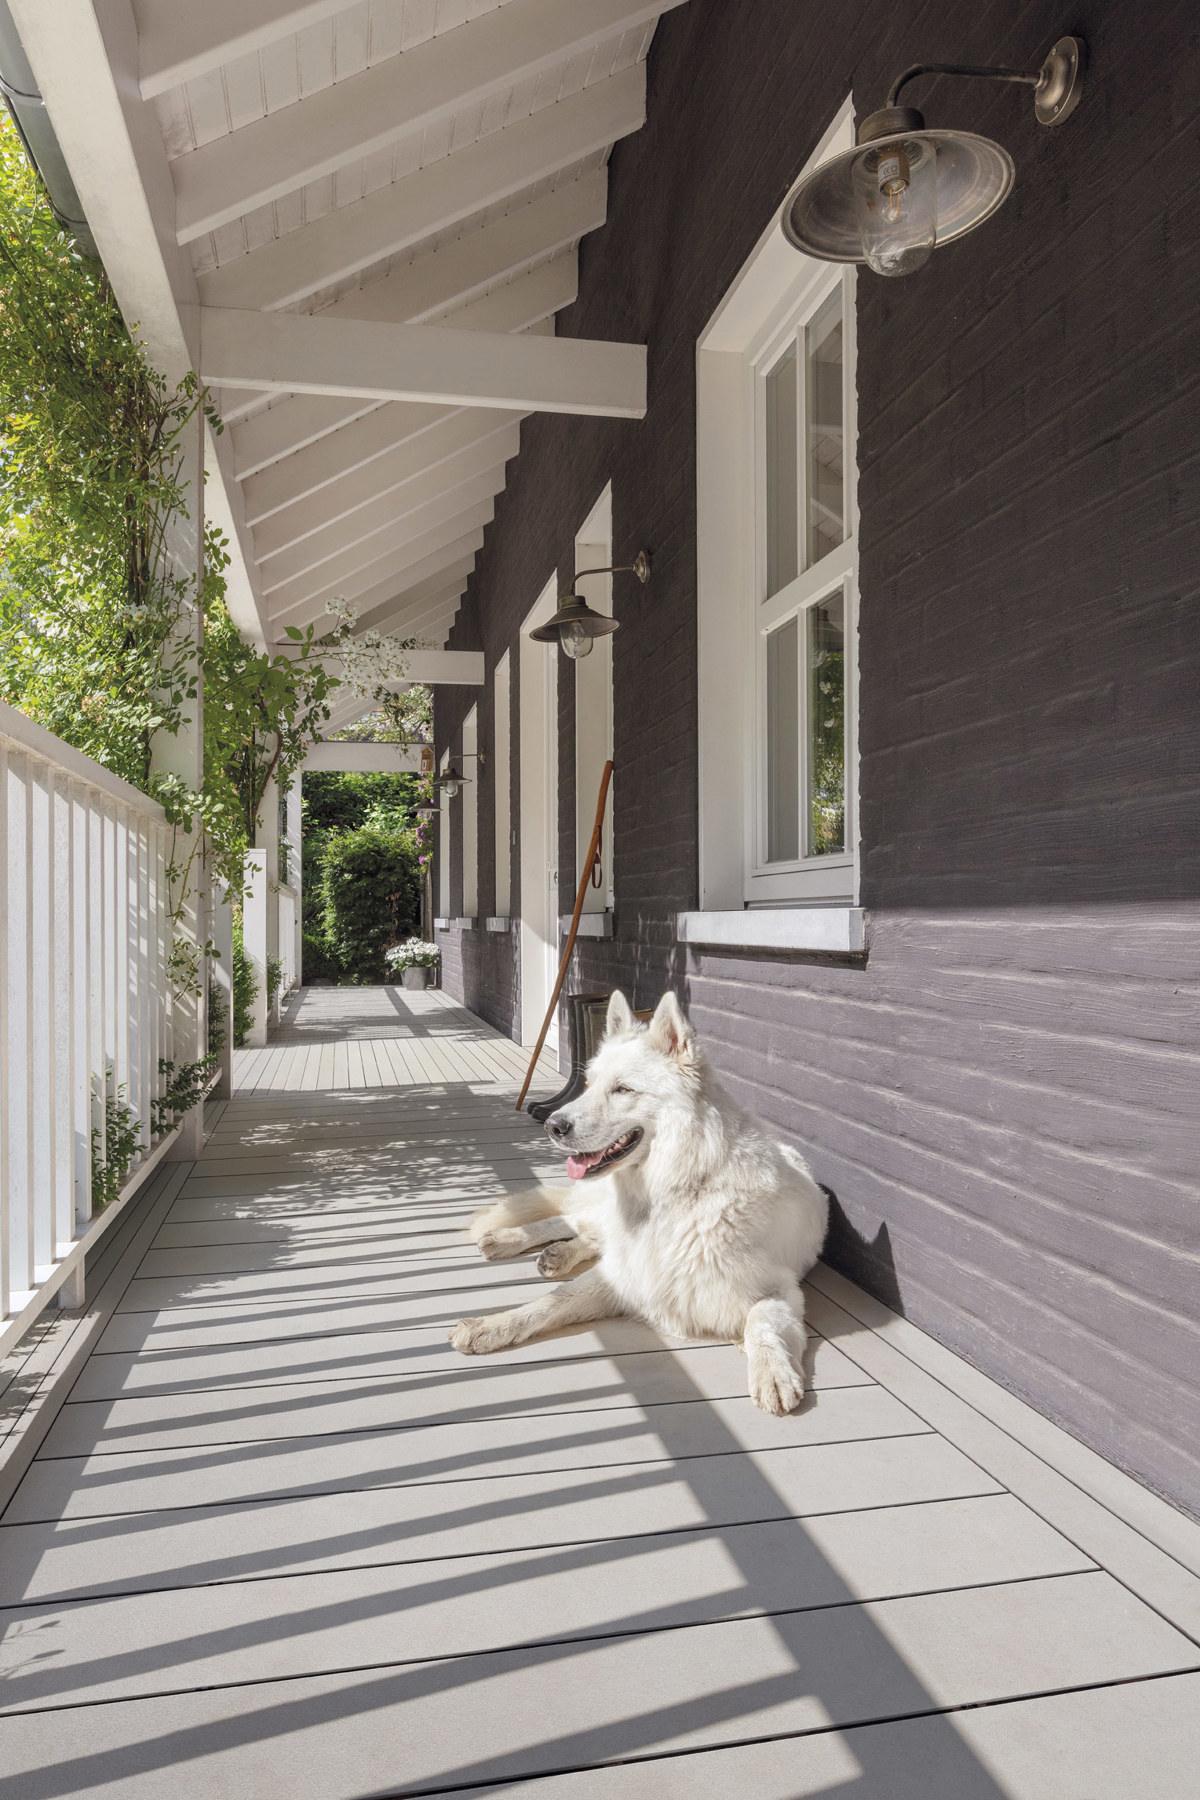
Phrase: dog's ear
(670, 1031)
(620, 1015)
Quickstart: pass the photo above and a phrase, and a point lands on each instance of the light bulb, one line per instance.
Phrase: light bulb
(895, 200)
(576, 640)
(450, 789)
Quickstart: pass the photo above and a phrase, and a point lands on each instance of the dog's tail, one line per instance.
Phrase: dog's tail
(518, 1209)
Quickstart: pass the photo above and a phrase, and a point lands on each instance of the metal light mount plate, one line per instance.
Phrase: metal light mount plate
(974, 177)
(1061, 82)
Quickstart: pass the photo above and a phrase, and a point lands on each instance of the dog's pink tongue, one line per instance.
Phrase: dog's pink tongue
(579, 1165)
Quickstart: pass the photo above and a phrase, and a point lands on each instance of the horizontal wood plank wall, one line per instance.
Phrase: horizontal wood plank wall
(1004, 1098)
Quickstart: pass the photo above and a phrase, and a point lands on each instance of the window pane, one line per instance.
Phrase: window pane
(783, 526)
(826, 727)
(823, 432)
(783, 744)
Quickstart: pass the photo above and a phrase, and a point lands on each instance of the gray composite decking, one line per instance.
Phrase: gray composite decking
(281, 1543)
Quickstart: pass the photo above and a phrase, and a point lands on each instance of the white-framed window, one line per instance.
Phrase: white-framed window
(594, 702)
(778, 563)
(502, 778)
(801, 842)
(470, 815)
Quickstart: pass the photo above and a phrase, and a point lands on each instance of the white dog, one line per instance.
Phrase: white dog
(694, 1217)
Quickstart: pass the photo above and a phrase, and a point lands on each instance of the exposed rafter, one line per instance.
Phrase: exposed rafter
(351, 238)
(396, 522)
(342, 452)
(413, 600)
(449, 276)
(304, 600)
(446, 455)
(176, 43)
(402, 96)
(451, 561)
(290, 353)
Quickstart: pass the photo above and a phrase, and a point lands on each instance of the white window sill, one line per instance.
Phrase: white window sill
(837, 930)
(500, 922)
(463, 924)
(441, 924)
(591, 925)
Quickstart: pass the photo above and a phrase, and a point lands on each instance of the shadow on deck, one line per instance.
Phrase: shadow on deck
(280, 1539)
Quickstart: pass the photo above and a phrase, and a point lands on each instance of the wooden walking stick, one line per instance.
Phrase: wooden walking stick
(584, 877)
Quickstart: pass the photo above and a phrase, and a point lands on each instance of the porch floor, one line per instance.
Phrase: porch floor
(280, 1541)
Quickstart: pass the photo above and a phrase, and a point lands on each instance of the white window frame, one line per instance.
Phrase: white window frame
(502, 779)
(594, 703)
(470, 815)
(767, 306)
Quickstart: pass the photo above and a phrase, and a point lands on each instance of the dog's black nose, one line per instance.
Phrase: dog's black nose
(558, 1125)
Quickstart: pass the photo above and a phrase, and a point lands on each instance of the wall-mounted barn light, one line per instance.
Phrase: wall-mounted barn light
(575, 625)
(452, 779)
(427, 814)
(903, 189)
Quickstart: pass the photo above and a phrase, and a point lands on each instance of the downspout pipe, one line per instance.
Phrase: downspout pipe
(29, 115)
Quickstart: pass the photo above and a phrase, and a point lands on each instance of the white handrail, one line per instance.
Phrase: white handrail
(85, 1004)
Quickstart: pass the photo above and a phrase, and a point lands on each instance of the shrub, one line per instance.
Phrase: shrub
(371, 890)
(245, 987)
(317, 961)
(274, 977)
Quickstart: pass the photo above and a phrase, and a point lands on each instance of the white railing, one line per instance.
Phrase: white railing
(85, 1005)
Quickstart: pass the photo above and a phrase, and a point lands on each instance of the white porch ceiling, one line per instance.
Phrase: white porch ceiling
(403, 172)
(366, 217)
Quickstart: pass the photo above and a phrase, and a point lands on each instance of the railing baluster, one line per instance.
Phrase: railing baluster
(6, 1062)
(85, 1006)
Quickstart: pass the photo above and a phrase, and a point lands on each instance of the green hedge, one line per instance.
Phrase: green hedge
(371, 896)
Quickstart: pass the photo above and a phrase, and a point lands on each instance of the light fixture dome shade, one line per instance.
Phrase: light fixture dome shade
(576, 617)
(974, 177)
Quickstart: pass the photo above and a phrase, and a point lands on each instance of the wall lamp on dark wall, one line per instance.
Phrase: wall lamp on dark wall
(904, 189)
(575, 625)
(451, 780)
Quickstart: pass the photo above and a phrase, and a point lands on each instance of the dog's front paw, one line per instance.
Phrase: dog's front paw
(470, 1337)
(776, 1386)
(558, 1259)
(496, 1245)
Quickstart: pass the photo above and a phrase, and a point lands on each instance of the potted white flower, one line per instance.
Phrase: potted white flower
(414, 959)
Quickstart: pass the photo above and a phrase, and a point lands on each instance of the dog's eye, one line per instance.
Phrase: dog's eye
(622, 1090)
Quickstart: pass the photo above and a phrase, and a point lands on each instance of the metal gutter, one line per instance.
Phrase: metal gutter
(28, 112)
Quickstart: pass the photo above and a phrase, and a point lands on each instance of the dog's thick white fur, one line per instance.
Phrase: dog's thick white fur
(691, 1214)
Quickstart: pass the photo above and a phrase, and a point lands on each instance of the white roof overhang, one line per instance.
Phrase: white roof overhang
(357, 222)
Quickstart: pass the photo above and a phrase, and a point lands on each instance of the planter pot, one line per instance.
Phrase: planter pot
(414, 978)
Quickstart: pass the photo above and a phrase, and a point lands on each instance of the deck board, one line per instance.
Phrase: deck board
(280, 1538)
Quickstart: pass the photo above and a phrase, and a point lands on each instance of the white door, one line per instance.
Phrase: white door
(538, 706)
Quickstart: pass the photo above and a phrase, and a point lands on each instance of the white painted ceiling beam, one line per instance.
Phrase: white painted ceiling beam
(433, 199)
(181, 39)
(361, 759)
(402, 96)
(393, 522)
(451, 452)
(292, 424)
(291, 353)
(304, 601)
